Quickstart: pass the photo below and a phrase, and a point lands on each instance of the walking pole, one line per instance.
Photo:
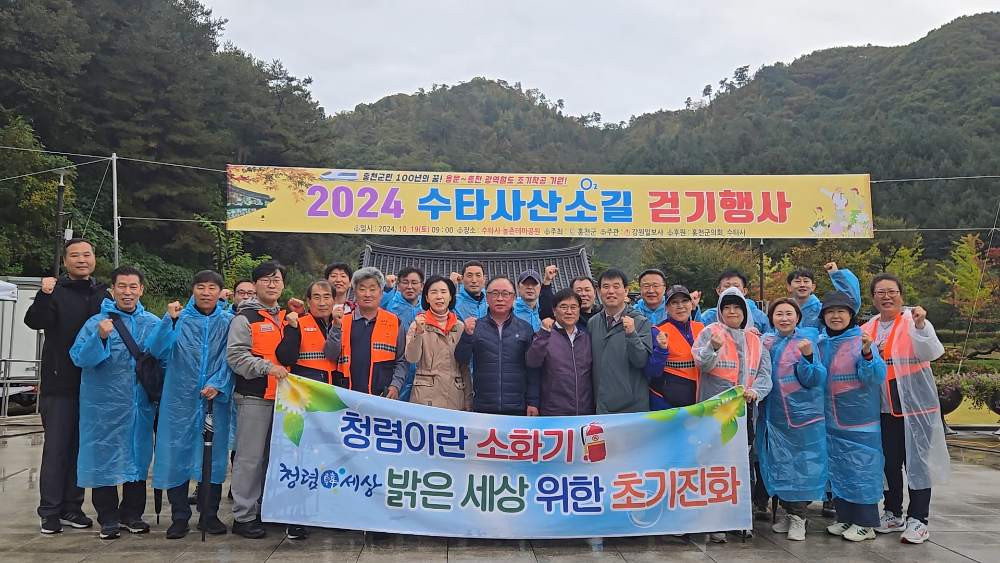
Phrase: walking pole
(206, 470)
(157, 493)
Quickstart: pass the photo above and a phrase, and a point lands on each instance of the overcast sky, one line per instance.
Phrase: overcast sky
(614, 57)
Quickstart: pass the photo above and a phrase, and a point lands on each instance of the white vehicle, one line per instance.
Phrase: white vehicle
(20, 346)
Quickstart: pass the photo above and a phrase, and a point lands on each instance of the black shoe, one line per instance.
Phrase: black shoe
(178, 529)
(193, 499)
(213, 525)
(296, 532)
(252, 529)
(829, 509)
(76, 519)
(109, 530)
(51, 525)
(134, 525)
(761, 511)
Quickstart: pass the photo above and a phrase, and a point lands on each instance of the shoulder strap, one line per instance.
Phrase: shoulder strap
(126, 336)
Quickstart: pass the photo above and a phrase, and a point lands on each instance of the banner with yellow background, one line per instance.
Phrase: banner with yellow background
(319, 200)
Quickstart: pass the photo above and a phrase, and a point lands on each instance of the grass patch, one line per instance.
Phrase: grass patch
(965, 415)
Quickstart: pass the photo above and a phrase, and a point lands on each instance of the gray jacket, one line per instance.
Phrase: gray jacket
(240, 342)
(619, 358)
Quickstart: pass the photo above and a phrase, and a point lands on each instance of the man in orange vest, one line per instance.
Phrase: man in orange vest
(368, 347)
(254, 335)
(672, 373)
(302, 345)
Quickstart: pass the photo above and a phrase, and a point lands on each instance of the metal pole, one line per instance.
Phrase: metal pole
(762, 273)
(114, 201)
(59, 222)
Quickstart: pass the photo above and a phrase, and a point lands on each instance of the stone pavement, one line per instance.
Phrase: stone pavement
(965, 527)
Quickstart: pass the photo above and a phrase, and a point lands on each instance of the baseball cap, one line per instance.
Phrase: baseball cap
(674, 290)
(529, 273)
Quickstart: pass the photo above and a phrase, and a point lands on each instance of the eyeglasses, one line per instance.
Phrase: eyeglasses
(568, 308)
(887, 293)
(410, 282)
(244, 293)
(271, 281)
(678, 302)
(500, 294)
(648, 286)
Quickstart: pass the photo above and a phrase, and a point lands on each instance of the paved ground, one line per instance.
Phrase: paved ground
(965, 527)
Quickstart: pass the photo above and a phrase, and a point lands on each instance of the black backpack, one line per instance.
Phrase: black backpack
(148, 370)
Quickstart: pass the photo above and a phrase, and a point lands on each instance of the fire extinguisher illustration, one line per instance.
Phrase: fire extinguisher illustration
(594, 448)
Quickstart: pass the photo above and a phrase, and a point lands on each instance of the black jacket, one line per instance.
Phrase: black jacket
(501, 379)
(61, 314)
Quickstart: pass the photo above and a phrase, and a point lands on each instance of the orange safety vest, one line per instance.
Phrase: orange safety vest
(728, 365)
(311, 349)
(680, 358)
(265, 336)
(384, 338)
(900, 365)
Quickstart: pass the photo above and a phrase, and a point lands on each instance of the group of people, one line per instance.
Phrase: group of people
(835, 406)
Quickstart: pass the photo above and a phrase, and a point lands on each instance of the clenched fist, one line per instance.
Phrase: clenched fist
(830, 267)
(661, 340)
(628, 323)
(105, 328)
(292, 319)
(390, 281)
(296, 306)
(717, 341)
(866, 343)
(456, 278)
(550, 274)
(547, 323)
(225, 294)
(919, 316)
(470, 325)
(695, 298)
(174, 309)
(338, 316)
(421, 322)
(48, 284)
(805, 348)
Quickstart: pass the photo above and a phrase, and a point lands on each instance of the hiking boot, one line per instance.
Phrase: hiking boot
(76, 519)
(252, 529)
(889, 523)
(916, 532)
(829, 509)
(212, 525)
(296, 532)
(51, 525)
(178, 529)
(134, 525)
(110, 530)
(857, 533)
(796, 528)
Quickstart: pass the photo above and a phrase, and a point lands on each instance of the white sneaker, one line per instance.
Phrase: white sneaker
(796, 528)
(838, 529)
(916, 532)
(889, 523)
(781, 526)
(717, 537)
(857, 533)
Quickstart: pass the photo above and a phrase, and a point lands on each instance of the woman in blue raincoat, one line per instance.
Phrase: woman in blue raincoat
(116, 415)
(792, 442)
(192, 341)
(855, 373)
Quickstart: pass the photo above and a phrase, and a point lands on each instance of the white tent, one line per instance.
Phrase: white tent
(8, 291)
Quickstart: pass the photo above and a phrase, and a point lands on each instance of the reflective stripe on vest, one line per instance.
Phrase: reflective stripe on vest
(900, 366)
(680, 359)
(727, 366)
(311, 347)
(384, 338)
(265, 336)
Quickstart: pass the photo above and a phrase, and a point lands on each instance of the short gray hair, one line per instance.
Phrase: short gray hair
(368, 274)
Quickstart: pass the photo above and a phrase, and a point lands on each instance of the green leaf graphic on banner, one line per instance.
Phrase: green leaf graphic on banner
(293, 426)
(697, 409)
(663, 416)
(324, 398)
(729, 430)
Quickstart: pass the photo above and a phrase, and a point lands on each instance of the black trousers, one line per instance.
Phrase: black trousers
(864, 515)
(133, 502)
(57, 477)
(180, 508)
(894, 450)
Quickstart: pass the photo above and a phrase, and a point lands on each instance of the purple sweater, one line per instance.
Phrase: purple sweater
(567, 381)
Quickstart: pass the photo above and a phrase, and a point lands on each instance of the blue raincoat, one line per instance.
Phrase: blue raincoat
(395, 303)
(655, 316)
(194, 348)
(466, 306)
(792, 442)
(525, 313)
(843, 280)
(116, 417)
(853, 431)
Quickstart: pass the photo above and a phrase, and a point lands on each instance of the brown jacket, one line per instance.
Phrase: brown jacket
(440, 381)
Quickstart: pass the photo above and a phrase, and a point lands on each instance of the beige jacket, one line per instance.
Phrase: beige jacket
(440, 381)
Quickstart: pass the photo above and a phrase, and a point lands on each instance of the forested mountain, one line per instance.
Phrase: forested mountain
(153, 79)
